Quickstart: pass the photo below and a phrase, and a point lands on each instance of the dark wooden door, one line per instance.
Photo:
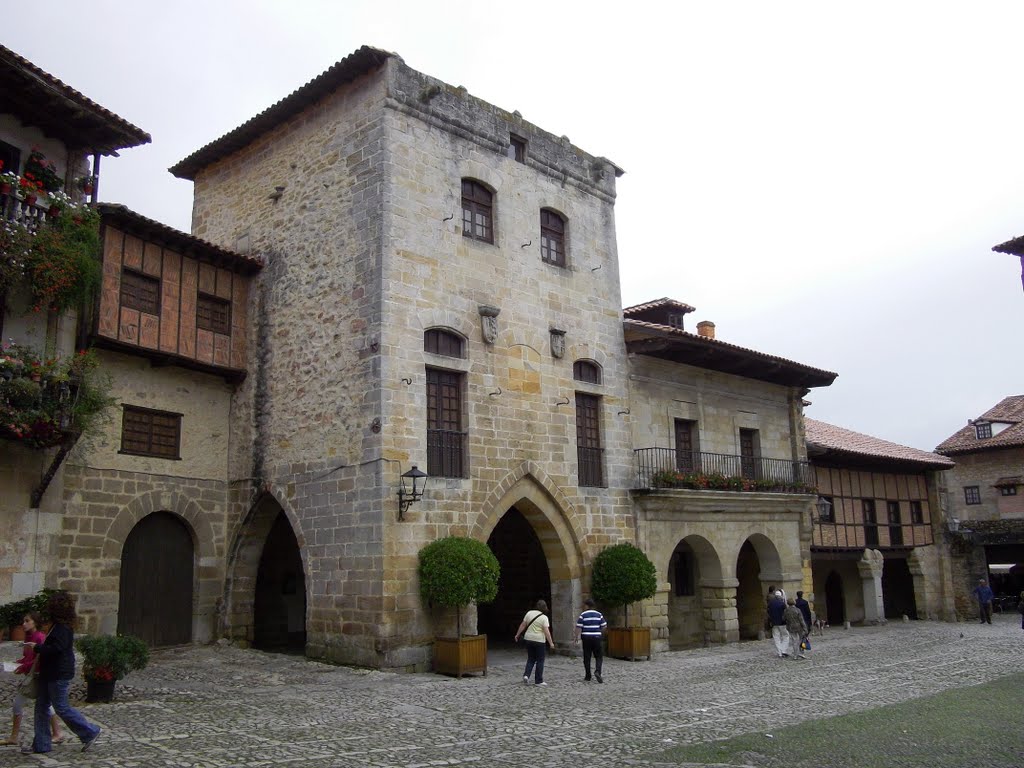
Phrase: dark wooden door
(156, 582)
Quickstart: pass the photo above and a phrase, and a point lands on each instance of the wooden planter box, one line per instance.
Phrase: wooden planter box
(460, 656)
(629, 642)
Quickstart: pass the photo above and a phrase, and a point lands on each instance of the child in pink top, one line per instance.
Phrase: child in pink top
(30, 624)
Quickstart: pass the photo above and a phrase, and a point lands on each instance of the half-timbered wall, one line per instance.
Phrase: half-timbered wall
(171, 328)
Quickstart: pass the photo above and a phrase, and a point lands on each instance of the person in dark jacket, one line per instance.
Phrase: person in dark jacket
(56, 669)
(776, 611)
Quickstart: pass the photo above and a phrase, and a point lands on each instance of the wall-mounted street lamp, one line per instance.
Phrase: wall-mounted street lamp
(405, 496)
(824, 509)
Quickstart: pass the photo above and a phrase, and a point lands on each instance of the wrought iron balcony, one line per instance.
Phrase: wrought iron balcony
(668, 468)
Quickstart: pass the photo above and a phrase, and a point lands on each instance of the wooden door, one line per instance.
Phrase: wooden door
(155, 603)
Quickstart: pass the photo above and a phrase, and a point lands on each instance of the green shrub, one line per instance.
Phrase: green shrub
(622, 575)
(456, 571)
(111, 657)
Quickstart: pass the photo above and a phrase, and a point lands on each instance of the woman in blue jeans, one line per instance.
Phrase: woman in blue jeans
(535, 629)
(56, 669)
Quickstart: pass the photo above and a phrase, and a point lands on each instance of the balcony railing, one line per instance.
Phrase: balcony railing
(668, 468)
(15, 209)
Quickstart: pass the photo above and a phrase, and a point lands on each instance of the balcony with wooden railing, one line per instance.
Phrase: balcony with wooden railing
(666, 468)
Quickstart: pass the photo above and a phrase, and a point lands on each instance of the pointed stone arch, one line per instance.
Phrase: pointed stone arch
(553, 519)
(244, 556)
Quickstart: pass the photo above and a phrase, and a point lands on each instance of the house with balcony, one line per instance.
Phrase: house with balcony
(116, 392)
(878, 538)
(986, 502)
(723, 491)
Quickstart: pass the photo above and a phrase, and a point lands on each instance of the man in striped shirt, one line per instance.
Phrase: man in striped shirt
(590, 627)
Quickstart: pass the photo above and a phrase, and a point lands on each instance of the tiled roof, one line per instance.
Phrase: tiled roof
(681, 346)
(39, 99)
(1014, 247)
(664, 303)
(965, 440)
(348, 69)
(823, 437)
(182, 242)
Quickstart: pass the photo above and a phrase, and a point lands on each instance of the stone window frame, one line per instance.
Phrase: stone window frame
(587, 371)
(553, 226)
(477, 201)
(150, 432)
(972, 495)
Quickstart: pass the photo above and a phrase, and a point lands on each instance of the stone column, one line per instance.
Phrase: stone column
(718, 601)
(921, 586)
(870, 569)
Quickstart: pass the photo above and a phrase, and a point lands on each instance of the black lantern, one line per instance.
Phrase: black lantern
(407, 497)
(824, 508)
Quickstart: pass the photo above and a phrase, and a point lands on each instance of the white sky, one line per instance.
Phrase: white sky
(824, 181)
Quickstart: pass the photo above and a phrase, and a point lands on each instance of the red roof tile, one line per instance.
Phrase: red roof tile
(665, 303)
(1009, 410)
(828, 437)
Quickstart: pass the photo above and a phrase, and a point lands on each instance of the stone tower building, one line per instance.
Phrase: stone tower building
(441, 290)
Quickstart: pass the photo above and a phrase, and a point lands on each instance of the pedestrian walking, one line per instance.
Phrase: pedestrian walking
(983, 592)
(30, 623)
(590, 628)
(776, 614)
(805, 609)
(535, 629)
(796, 627)
(56, 669)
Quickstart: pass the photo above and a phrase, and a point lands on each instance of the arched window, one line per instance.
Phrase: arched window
(552, 237)
(586, 371)
(445, 343)
(477, 219)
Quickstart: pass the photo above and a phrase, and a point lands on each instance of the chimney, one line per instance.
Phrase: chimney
(706, 329)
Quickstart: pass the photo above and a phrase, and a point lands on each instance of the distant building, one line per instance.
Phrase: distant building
(873, 552)
(986, 489)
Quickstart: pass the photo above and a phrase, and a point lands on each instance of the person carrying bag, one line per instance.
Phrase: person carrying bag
(28, 689)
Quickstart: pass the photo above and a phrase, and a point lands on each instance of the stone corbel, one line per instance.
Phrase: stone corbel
(557, 342)
(489, 322)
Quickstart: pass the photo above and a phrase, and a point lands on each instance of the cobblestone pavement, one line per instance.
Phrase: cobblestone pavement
(223, 706)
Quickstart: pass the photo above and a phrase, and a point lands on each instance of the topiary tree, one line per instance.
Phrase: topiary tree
(456, 571)
(623, 574)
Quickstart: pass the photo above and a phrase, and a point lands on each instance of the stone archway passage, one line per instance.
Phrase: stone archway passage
(750, 599)
(524, 577)
(157, 567)
(898, 589)
(279, 612)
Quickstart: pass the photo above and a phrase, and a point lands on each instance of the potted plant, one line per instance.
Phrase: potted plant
(9, 181)
(622, 575)
(86, 184)
(107, 659)
(454, 572)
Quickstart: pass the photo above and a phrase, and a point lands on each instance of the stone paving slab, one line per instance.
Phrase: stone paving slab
(219, 706)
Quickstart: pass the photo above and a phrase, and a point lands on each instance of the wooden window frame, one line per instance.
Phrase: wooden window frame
(147, 417)
(983, 430)
(750, 453)
(132, 300)
(1008, 490)
(207, 316)
(589, 449)
(687, 439)
(586, 371)
(869, 513)
(517, 148)
(438, 341)
(446, 433)
(477, 211)
(972, 495)
(552, 237)
(916, 512)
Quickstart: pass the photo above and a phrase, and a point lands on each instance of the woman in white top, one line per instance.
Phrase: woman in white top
(536, 631)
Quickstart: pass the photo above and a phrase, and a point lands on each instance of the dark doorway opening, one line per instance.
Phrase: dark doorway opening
(155, 602)
(835, 604)
(751, 603)
(898, 589)
(279, 621)
(524, 580)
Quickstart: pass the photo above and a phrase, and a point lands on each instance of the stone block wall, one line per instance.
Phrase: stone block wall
(983, 469)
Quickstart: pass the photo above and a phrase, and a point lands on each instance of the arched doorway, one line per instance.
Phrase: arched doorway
(835, 603)
(157, 567)
(279, 608)
(524, 577)
(750, 598)
(898, 589)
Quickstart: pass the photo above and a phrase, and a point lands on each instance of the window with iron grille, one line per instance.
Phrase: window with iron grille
(446, 438)
(972, 494)
(586, 371)
(139, 291)
(477, 221)
(588, 440)
(440, 342)
(552, 238)
(146, 432)
(213, 314)
(687, 445)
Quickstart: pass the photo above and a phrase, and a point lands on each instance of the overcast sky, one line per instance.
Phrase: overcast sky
(824, 181)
